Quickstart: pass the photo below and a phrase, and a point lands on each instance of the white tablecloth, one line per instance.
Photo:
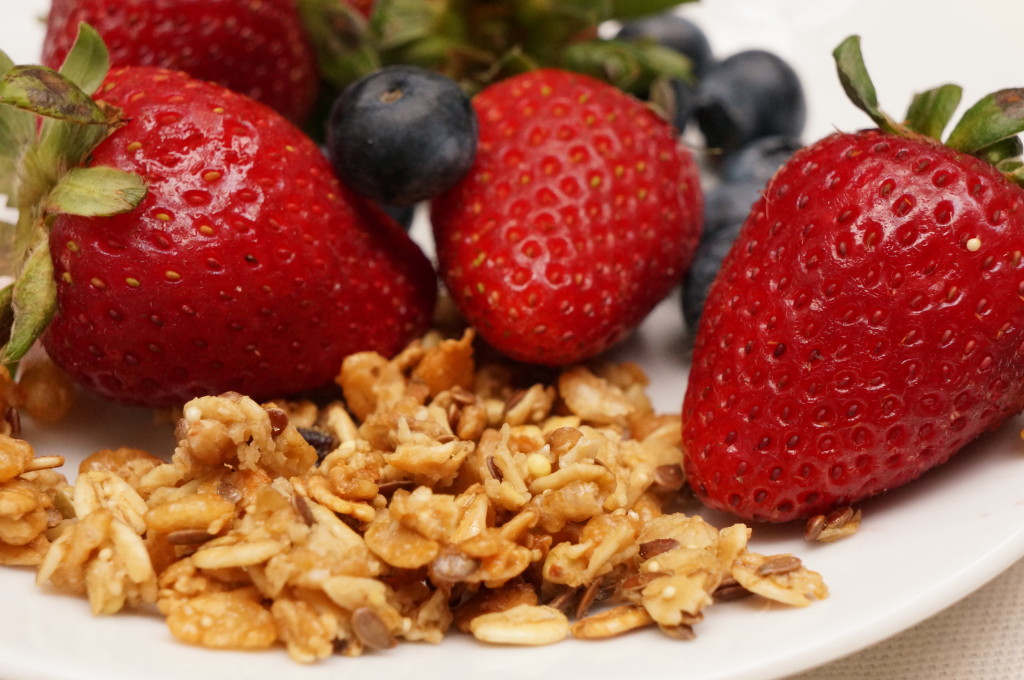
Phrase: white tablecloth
(979, 638)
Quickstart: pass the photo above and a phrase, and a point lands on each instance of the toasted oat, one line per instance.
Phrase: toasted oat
(103, 558)
(523, 624)
(612, 622)
(782, 578)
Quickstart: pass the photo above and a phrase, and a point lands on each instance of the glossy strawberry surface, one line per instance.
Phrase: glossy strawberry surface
(580, 213)
(865, 327)
(247, 266)
(256, 47)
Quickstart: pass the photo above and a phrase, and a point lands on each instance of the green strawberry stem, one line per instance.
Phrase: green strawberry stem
(477, 42)
(996, 117)
(95, 192)
(931, 111)
(16, 128)
(632, 67)
(46, 92)
(33, 300)
(340, 36)
(853, 75)
(987, 130)
(41, 174)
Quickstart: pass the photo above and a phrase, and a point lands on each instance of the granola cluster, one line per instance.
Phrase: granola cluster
(436, 496)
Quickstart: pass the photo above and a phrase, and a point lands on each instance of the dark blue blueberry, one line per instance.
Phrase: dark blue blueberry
(401, 135)
(675, 32)
(728, 203)
(706, 262)
(681, 102)
(726, 207)
(403, 214)
(757, 161)
(748, 95)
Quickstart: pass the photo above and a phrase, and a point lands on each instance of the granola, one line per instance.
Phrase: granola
(434, 495)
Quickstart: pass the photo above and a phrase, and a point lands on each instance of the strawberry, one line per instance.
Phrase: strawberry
(243, 265)
(580, 213)
(867, 323)
(258, 48)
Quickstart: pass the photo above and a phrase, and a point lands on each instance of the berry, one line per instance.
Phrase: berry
(758, 160)
(580, 213)
(257, 48)
(679, 102)
(742, 176)
(866, 324)
(403, 215)
(675, 32)
(707, 260)
(751, 94)
(402, 135)
(245, 266)
(725, 209)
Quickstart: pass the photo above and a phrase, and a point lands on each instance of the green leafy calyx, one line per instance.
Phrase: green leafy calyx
(49, 124)
(988, 130)
(477, 42)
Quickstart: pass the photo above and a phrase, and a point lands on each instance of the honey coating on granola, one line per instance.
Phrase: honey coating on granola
(441, 497)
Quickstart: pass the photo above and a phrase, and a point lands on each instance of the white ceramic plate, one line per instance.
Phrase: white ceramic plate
(920, 548)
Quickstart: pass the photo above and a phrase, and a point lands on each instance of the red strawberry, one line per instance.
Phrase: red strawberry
(245, 267)
(256, 47)
(867, 323)
(580, 213)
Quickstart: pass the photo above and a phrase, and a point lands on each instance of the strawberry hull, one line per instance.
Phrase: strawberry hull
(867, 326)
(246, 267)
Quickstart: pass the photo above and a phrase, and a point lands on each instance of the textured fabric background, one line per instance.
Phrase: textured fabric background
(979, 638)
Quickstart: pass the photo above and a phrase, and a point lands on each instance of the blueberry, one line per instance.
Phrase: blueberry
(706, 262)
(403, 214)
(678, 99)
(748, 95)
(675, 32)
(728, 203)
(401, 135)
(757, 161)
(726, 208)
